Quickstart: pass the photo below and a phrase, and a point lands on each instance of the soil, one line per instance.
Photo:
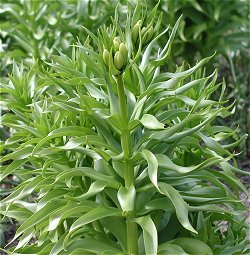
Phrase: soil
(9, 234)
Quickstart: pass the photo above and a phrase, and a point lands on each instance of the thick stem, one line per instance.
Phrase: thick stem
(132, 236)
(132, 232)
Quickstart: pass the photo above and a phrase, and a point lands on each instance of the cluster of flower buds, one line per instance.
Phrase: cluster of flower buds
(146, 33)
(117, 57)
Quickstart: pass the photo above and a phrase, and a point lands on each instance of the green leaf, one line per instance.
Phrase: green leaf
(18, 154)
(166, 50)
(149, 234)
(152, 166)
(68, 211)
(165, 163)
(150, 122)
(95, 214)
(25, 238)
(88, 140)
(95, 188)
(37, 217)
(90, 172)
(138, 109)
(64, 131)
(192, 246)
(23, 189)
(184, 74)
(94, 247)
(126, 198)
(69, 107)
(147, 52)
(116, 122)
(58, 246)
(167, 249)
(169, 132)
(118, 229)
(180, 205)
(159, 203)
(12, 167)
(60, 83)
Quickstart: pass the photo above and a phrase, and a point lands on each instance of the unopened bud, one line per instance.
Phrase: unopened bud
(105, 56)
(117, 39)
(135, 31)
(147, 34)
(116, 43)
(118, 60)
(124, 52)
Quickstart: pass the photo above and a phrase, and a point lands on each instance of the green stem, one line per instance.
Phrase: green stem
(132, 232)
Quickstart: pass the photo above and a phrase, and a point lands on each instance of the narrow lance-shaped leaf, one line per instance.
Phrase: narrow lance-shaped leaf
(64, 131)
(95, 188)
(96, 214)
(180, 205)
(18, 154)
(90, 172)
(147, 52)
(68, 211)
(23, 190)
(165, 163)
(12, 167)
(37, 217)
(152, 167)
(166, 50)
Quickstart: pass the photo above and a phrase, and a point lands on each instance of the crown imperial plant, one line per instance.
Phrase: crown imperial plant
(114, 155)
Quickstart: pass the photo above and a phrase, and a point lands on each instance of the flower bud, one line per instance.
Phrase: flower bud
(118, 60)
(116, 43)
(135, 31)
(105, 56)
(147, 34)
(117, 39)
(124, 52)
